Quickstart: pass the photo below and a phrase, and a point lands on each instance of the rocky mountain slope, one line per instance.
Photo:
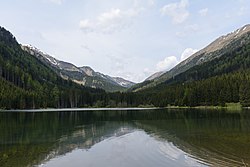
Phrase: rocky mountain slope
(222, 45)
(155, 75)
(82, 75)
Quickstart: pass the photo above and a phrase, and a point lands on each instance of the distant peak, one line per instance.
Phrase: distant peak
(86, 67)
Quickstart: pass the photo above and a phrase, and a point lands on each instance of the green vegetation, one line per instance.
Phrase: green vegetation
(234, 106)
(223, 80)
(26, 82)
(233, 53)
(214, 91)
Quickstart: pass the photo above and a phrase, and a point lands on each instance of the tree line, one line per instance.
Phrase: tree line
(25, 82)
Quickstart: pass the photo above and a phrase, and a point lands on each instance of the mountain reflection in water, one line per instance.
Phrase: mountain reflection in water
(160, 137)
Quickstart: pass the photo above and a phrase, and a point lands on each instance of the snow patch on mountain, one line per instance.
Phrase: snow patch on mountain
(82, 75)
(123, 82)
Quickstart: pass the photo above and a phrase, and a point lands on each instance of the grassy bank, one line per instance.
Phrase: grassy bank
(229, 106)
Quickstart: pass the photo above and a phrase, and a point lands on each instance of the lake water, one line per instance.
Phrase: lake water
(125, 138)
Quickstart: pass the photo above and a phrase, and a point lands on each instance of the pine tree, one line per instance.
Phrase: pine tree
(245, 93)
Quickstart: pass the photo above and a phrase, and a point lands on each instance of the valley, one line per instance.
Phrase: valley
(214, 76)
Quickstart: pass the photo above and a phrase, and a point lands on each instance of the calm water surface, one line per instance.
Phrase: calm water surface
(125, 138)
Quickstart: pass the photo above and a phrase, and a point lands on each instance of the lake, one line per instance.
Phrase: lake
(125, 138)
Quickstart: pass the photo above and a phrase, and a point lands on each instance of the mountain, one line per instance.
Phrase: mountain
(123, 82)
(211, 78)
(85, 75)
(117, 80)
(26, 82)
(222, 45)
(216, 75)
(155, 75)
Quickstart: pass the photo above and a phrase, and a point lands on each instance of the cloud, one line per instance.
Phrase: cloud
(187, 53)
(86, 25)
(129, 76)
(58, 2)
(203, 12)
(177, 11)
(167, 63)
(111, 21)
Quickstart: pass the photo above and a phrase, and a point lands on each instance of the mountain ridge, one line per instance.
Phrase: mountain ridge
(214, 50)
(28, 83)
(84, 75)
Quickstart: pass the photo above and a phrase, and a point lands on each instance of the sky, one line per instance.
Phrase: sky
(127, 38)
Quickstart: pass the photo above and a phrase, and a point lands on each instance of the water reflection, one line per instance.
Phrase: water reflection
(129, 138)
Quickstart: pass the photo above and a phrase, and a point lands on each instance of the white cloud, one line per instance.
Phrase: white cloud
(85, 24)
(111, 21)
(187, 53)
(59, 2)
(131, 76)
(203, 12)
(167, 63)
(113, 14)
(177, 11)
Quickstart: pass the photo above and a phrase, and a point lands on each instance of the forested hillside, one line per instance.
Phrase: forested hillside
(84, 75)
(224, 45)
(27, 83)
(222, 80)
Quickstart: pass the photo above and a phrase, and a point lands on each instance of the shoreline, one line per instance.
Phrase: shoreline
(79, 109)
(228, 106)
